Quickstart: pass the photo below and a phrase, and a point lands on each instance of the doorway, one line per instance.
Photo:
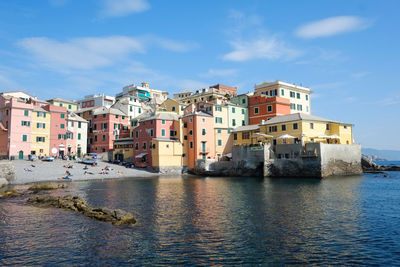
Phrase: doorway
(21, 155)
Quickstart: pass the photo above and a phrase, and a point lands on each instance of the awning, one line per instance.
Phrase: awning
(141, 155)
(335, 136)
(285, 136)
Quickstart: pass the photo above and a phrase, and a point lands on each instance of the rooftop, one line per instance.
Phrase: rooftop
(246, 128)
(298, 117)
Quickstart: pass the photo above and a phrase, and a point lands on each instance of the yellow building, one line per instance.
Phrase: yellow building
(171, 105)
(304, 128)
(167, 154)
(70, 105)
(40, 145)
(123, 149)
(246, 135)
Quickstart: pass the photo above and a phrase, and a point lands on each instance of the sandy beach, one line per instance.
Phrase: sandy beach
(38, 171)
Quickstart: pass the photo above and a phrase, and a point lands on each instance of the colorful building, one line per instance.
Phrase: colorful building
(104, 126)
(304, 128)
(70, 105)
(58, 129)
(215, 92)
(246, 135)
(40, 135)
(99, 100)
(77, 135)
(123, 149)
(262, 108)
(171, 105)
(299, 96)
(161, 126)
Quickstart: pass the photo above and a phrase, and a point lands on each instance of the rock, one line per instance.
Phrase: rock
(79, 205)
(10, 193)
(46, 186)
(3, 182)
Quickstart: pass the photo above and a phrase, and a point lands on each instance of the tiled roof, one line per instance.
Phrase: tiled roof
(297, 117)
(246, 128)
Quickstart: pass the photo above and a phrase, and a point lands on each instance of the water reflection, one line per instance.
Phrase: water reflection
(190, 221)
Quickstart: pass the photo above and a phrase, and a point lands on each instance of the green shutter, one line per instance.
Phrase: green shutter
(38, 114)
(43, 139)
(37, 138)
(79, 136)
(44, 125)
(44, 114)
(37, 125)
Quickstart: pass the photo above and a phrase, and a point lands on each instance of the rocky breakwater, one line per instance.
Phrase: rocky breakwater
(79, 205)
(369, 166)
(7, 172)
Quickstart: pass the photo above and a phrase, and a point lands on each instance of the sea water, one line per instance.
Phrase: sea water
(214, 221)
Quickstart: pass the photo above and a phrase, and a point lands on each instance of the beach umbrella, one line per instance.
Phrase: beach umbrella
(285, 136)
(335, 136)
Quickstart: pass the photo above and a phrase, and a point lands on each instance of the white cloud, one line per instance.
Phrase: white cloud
(94, 52)
(332, 26)
(121, 8)
(219, 73)
(262, 48)
(393, 100)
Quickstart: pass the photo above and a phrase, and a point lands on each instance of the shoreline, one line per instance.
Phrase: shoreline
(41, 171)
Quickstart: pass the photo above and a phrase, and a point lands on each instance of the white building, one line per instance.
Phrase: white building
(99, 100)
(129, 105)
(299, 96)
(77, 129)
(143, 93)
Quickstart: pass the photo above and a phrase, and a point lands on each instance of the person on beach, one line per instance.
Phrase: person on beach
(86, 172)
(67, 176)
(86, 167)
(27, 170)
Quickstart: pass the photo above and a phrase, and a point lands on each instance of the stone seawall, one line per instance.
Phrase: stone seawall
(7, 172)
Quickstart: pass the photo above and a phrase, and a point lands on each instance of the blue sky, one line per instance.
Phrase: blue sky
(347, 52)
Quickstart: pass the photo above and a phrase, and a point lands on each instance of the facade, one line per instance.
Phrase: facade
(130, 105)
(246, 135)
(298, 96)
(40, 135)
(161, 126)
(262, 108)
(123, 149)
(144, 92)
(199, 140)
(77, 135)
(58, 130)
(104, 126)
(70, 105)
(99, 100)
(171, 105)
(303, 128)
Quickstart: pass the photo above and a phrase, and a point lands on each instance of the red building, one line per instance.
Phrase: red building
(224, 89)
(58, 129)
(105, 125)
(161, 125)
(262, 107)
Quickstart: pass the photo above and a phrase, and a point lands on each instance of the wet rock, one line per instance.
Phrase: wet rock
(10, 193)
(79, 205)
(46, 186)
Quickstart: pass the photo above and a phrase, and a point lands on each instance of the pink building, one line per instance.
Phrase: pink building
(199, 142)
(161, 125)
(105, 125)
(58, 130)
(15, 127)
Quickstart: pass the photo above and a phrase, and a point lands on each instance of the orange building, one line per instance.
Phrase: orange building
(262, 107)
(198, 136)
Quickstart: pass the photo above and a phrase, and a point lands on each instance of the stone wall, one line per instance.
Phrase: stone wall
(340, 159)
(7, 172)
(169, 170)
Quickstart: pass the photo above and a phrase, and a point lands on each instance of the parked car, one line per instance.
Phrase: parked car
(33, 157)
(130, 165)
(48, 158)
(90, 158)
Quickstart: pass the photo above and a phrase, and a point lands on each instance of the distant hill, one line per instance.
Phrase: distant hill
(383, 154)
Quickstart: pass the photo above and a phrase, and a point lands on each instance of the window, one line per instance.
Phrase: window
(327, 126)
(25, 123)
(79, 136)
(299, 107)
(218, 120)
(203, 119)
(255, 110)
(243, 111)
(130, 108)
(218, 108)
(62, 126)
(171, 132)
(151, 132)
(233, 110)
(243, 123)
(104, 115)
(140, 110)
(123, 117)
(269, 108)
(79, 124)
(190, 120)
(24, 138)
(59, 136)
(69, 106)
(104, 137)
(307, 97)
(245, 135)
(191, 144)
(298, 95)
(273, 129)
(61, 104)
(26, 112)
(311, 125)
(185, 125)
(137, 134)
(95, 138)
(40, 125)
(116, 116)
(293, 106)
(137, 146)
(283, 127)
(307, 108)
(345, 126)
(292, 94)
(203, 131)
(219, 142)
(144, 145)
(229, 131)
(282, 92)
(173, 108)
(191, 132)
(235, 136)
(219, 131)
(233, 122)
(72, 124)
(295, 126)
(62, 115)
(95, 116)
(40, 139)
(162, 132)
(185, 137)
(244, 101)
